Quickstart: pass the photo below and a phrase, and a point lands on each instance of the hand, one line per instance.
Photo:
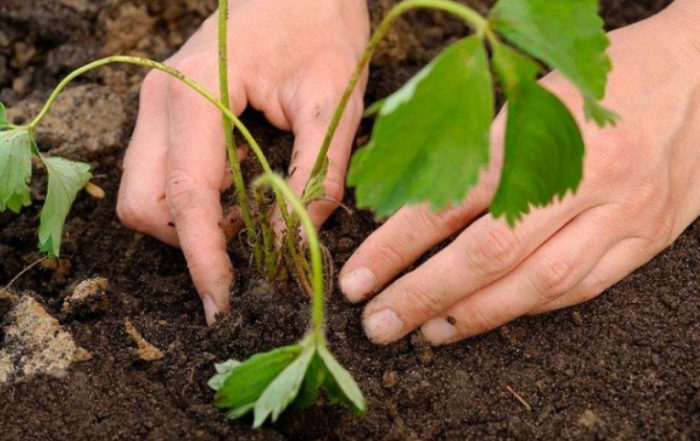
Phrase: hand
(290, 60)
(640, 191)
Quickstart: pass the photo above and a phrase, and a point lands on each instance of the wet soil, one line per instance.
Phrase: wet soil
(625, 366)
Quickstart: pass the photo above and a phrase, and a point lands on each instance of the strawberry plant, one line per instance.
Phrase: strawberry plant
(430, 143)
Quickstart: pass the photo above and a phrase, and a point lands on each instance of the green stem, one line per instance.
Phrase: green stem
(471, 17)
(317, 295)
(186, 80)
(235, 164)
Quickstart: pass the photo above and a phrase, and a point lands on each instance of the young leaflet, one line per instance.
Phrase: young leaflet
(65, 179)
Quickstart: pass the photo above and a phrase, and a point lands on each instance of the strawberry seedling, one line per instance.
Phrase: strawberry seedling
(267, 383)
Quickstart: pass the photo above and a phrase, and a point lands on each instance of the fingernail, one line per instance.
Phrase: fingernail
(383, 326)
(439, 331)
(210, 310)
(358, 284)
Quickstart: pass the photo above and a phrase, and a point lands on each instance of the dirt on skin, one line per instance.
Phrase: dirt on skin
(622, 367)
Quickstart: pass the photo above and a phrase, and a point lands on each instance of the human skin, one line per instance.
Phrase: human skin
(641, 190)
(636, 198)
(290, 60)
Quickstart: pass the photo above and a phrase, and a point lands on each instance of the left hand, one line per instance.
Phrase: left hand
(640, 191)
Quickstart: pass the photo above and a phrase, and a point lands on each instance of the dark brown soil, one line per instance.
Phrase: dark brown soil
(625, 366)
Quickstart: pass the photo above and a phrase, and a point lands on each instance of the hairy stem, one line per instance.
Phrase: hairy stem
(317, 295)
(189, 82)
(238, 183)
(471, 17)
(268, 263)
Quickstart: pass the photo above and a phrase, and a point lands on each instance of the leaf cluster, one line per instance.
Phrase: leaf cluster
(431, 138)
(267, 383)
(65, 179)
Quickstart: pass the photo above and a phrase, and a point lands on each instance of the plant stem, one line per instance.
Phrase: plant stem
(317, 298)
(186, 80)
(235, 164)
(471, 17)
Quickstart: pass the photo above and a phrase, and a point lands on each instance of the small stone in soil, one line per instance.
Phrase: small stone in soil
(426, 356)
(36, 344)
(146, 351)
(589, 419)
(390, 379)
(88, 296)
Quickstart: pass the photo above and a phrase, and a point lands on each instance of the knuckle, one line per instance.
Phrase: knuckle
(356, 106)
(476, 321)
(389, 252)
(497, 250)
(611, 160)
(132, 211)
(452, 219)
(651, 195)
(448, 220)
(553, 279)
(152, 82)
(179, 191)
(590, 292)
(666, 233)
(335, 184)
(423, 302)
(189, 66)
(591, 287)
(658, 232)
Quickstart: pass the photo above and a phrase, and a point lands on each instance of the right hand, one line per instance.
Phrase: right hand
(289, 59)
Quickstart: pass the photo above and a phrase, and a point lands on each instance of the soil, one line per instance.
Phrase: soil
(625, 366)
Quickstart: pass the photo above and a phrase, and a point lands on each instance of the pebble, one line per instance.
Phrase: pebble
(36, 344)
(145, 350)
(87, 296)
(390, 379)
(426, 356)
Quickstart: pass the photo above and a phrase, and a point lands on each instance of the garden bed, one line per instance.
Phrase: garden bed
(624, 366)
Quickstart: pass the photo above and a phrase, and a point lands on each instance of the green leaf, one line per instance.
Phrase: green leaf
(314, 188)
(3, 116)
(601, 115)
(66, 179)
(339, 383)
(223, 370)
(544, 149)
(374, 109)
(283, 389)
(247, 381)
(431, 138)
(15, 168)
(568, 36)
(315, 375)
(238, 412)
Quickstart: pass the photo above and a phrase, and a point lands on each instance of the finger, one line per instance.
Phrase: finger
(617, 263)
(482, 254)
(414, 230)
(399, 242)
(196, 163)
(310, 121)
(561, 263)
(141, 204)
